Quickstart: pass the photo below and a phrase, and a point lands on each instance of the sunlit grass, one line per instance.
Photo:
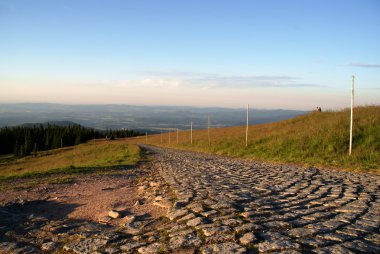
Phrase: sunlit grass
(84, 157)
(318, 139)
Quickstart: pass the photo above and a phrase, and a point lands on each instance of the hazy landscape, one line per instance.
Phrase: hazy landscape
(189, 127)
(150, 118)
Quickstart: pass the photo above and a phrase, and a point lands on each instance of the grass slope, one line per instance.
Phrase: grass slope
(318, 139)
(82, 158)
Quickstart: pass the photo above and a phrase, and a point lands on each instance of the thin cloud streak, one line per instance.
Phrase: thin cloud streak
(175, 73)
(363, 65)
(208, 81)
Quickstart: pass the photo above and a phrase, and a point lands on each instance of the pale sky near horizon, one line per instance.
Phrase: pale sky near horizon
(292, 54)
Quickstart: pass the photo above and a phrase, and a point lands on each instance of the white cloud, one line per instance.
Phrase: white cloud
(207, 81)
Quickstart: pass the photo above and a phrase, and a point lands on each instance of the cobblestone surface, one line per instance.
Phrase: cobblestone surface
(285, 207)
(234, 206)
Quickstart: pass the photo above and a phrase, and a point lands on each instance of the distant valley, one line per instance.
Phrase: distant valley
(143, 118)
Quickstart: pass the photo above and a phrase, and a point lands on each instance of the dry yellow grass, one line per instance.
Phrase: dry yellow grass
(315, 139)
(91, 155)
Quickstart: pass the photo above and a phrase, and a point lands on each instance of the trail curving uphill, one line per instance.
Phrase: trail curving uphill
(261, 207)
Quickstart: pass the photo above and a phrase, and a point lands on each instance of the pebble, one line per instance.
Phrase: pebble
(114, 214)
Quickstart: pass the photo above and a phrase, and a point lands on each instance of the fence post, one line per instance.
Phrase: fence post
(191, 132)
(208, 131)
(352, 113)
(246, 130)
(177, 136)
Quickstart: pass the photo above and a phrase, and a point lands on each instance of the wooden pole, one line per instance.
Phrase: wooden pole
(169, 137)
(161, 136)
(191, 132)
(177, 136)
(352, 113)
(246, 130)
(208, 130)
(146, 137)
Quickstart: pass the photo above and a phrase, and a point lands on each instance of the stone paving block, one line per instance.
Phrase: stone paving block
(277, 245)
(153, 248)
(195, 222)
(247, 238)
(184, 241)
(315, 242)
(209, 231)
(224, 248)
(361, 246)
(177, 214)
(336, 249)
(130, 247)
(335, 237)
(301, 232)
(186, 218)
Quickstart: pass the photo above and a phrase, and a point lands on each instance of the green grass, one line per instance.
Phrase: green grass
(88, 157)
(314, 139)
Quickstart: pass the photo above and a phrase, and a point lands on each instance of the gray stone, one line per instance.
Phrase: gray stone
(177, 214)
(129, 218)
(286, 252)
(49, 246)
(130, 247)
(190, 216)
(87, 245)
(114, 214)
(194, 222)
(301, 232)
(209, 213)
(247, 227)
(333, 250)
(215, 230)
(277, 245)
(247, 238)
(232, 222)
(224, 248)
(362, 246)
(184, 241)
(130, 228)
(181, 232)
(220, 238)
(152, 248)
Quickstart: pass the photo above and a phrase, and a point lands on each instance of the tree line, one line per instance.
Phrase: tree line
(23, 140)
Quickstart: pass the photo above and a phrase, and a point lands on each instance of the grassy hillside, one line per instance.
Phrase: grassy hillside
(82, 158)
(319, 139)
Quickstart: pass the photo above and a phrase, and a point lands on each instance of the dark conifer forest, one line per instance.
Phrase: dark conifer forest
(25, 140)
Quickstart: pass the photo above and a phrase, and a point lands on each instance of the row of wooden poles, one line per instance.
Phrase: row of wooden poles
(247, 126)
(208, 131)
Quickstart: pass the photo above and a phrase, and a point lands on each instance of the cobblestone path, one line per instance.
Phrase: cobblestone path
(234, 206)
(220, 205)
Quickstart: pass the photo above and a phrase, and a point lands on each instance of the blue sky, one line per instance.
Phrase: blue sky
(272, 54)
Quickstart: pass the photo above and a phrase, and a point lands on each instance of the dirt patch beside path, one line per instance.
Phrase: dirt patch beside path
(88, 197)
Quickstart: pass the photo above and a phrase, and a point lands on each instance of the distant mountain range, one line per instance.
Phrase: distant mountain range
(56, 123)
(143, 118)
